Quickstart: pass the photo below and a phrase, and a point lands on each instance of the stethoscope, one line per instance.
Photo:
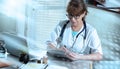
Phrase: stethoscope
(84, 37)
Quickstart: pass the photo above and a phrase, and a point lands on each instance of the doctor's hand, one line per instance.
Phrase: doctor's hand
(73, 56)
(50, 45)
(69, 54)
(64, 49)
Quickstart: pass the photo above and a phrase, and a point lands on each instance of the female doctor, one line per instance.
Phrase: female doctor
(75, 37)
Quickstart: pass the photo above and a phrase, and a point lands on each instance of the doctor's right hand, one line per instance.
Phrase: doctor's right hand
(50, 45)
(64, 49)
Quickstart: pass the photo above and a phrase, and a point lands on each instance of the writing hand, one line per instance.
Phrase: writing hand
(64, 49)
(73, 56)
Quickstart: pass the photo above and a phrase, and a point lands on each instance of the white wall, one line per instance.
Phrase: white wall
(12, 17)
(7, 20)
(42, 17)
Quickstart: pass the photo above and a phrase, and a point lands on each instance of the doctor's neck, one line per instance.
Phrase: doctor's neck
(77, 26)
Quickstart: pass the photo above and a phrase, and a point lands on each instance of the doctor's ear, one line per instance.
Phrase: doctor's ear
(83, 14)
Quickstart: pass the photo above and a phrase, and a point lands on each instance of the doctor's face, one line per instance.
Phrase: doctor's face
(76, 20)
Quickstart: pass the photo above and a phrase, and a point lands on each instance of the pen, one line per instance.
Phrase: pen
(65, 46)
(46, 66)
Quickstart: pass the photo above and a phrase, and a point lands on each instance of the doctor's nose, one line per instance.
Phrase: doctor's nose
(73, 18)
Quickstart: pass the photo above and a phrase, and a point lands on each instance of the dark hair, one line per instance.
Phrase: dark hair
(76, 7)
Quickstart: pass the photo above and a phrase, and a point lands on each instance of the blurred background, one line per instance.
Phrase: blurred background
(30, 22)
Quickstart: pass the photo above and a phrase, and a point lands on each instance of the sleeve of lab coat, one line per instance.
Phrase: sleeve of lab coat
(94, 42)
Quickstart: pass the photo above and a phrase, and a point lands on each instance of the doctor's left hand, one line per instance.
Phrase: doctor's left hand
(69, 54)
(73, 56)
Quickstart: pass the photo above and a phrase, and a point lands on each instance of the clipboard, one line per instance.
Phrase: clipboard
(58, 54)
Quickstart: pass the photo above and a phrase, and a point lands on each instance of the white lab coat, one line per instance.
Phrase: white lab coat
(92, 40)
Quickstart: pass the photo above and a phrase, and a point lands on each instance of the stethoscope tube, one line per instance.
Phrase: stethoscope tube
(62, 31)
(84, 29)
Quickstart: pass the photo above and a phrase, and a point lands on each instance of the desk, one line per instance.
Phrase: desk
(58, 64)
(109, 5)
(55, 63)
